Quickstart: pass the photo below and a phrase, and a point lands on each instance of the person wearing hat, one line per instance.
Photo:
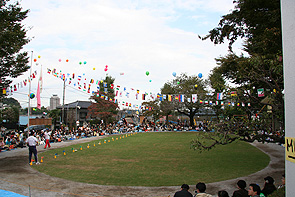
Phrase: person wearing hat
(32, 142)
(269, 186)
(183, 192)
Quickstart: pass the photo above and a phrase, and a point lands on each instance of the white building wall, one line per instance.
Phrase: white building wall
(288, 28)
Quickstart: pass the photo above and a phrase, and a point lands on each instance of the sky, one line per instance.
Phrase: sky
(130, 37)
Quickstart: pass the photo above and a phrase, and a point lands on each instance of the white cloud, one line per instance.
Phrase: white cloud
(128, 36)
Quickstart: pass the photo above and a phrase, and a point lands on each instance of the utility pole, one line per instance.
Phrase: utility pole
(29, 102)
(63, 102)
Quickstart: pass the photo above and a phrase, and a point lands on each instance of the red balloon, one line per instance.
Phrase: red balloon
(35, 60)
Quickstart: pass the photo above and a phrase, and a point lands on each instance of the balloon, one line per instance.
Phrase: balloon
(32, 95)
(34, 109)
(106, 69)
(67, 60)
(147, 73)
(196, 86)
(150, 80)
(59, 60)
(85, 62)
(200, 75)
(93, 68)
(39, 56)
(174, 74)
(178, 82)
(80, 63)
(35, 60)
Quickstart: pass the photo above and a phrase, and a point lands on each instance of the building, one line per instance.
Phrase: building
(75, 114)
(54, 102)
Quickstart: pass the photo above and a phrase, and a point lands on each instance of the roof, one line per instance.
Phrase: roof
(81, 104)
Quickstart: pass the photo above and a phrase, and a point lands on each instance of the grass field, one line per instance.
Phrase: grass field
(151, 159)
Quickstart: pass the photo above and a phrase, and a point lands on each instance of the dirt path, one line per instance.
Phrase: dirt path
(17, 176)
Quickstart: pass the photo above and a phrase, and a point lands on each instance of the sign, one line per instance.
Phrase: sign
(290, 148)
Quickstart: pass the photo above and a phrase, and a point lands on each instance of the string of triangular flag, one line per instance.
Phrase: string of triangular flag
(15, 87)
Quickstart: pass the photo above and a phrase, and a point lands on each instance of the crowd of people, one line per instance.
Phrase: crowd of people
(10, 140)
(254, 190)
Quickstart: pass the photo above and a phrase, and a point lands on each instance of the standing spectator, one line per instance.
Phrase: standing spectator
(201, 190)
(32, 143)
(269, 186)
(241, 192)
(47, 139)
(183, 192)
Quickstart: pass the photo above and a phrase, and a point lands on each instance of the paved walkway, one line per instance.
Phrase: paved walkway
(17, 176)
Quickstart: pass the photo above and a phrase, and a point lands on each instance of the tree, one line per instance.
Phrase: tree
(187, 86)
(152, 108)
(104, 107)
(258, 23)
(10, 114)
(55, 115)
(13, 37)
(11, 102)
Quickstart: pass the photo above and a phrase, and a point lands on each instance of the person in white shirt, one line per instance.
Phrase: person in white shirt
(32, 142)
(47, 139)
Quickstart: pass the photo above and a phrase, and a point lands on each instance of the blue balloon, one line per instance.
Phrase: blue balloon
(32, 95)
(200, 75)
(174, 74)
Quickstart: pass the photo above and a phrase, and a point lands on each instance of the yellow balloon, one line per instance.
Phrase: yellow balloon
(93, 68)
(39, 56)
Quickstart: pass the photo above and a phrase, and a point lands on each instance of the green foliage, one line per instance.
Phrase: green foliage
(155, 111)
(102, 108)
(10, 114)
(13, 37)
(279, 193)
(186, 85)
(55, 115)
(258, 23)
(11, 102)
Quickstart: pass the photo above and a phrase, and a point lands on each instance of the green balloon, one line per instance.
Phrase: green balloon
(150, 80)
(178, 82)
(147, 73)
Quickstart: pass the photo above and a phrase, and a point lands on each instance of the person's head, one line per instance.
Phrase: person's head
(223, 193)
(241, 184)
(254, 189)
(201, 187)
(283, 179)
(269, 180)
(185, 187)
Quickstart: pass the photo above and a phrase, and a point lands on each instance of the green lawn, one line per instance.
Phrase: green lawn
(152, 159)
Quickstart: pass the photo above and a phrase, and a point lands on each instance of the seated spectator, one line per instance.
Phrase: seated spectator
(222, 193)
(254, 190)
(2, 144)
(241, 192)
(283, 182)
(269, 186)
(201, 190)
(183, 192)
